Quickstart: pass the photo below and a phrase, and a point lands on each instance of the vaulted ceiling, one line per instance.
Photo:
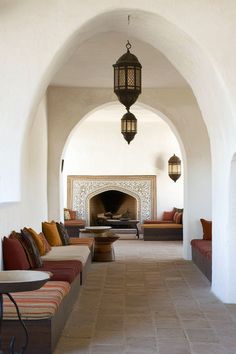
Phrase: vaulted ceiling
(91, 63)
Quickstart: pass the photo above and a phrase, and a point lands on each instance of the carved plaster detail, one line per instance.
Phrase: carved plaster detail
(82, 188)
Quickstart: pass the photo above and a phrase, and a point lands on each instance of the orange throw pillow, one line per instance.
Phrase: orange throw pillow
(45, 242)
(51, 233)
(207, 229)
(38, 241)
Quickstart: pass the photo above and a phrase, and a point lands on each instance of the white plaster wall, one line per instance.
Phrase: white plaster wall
(98, 148)
(32, 208)
(36, 37)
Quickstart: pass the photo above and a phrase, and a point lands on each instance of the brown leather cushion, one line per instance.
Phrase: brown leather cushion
(207, 229)
(65, 239)
(31, 249)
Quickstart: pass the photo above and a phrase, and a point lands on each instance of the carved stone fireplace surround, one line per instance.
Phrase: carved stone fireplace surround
(80, 189)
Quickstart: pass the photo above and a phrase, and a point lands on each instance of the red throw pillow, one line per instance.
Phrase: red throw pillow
(72, 214)
(207, 229)
(14, 256)
(168, 215)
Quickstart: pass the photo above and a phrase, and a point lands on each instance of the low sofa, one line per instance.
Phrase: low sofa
(202, 249)
(45, 310)
(170, 228)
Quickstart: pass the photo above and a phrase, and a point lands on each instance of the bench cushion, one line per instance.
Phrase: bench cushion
(62, 270)
(76, 222)
(203, 246)
(38, 304)
(158, 222)
(71, 252)
(162, 226)
(87, 241)
(162, 232)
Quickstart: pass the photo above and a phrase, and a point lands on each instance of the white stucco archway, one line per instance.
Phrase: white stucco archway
(196, 53)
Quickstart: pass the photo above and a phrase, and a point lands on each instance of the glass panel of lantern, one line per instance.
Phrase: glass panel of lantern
(122, 82)
(131, 78)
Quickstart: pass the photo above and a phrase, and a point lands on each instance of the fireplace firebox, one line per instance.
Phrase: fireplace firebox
(112, 204)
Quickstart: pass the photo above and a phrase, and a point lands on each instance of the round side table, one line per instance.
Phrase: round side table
(12, 281)
(103, 246)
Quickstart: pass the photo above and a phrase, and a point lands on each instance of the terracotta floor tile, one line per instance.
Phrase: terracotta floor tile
(149, 301)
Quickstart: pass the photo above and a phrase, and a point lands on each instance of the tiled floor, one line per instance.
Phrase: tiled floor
(148, 301)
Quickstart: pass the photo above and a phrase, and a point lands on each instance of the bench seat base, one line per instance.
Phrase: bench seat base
(162, 232)
(202, 259)
(43, 333)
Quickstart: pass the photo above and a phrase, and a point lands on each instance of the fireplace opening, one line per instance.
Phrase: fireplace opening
(112, 204)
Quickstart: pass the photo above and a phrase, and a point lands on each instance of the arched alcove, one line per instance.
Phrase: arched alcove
(196, 55)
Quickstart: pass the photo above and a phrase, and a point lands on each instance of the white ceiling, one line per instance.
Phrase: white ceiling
(91, 64)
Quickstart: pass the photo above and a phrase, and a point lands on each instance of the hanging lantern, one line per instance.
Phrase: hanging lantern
(127, 78)
(128, 126)
(174, 167)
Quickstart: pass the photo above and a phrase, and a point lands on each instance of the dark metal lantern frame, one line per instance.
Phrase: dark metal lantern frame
(128, 126)
(174, 167)
(127, 78)
(127, 87)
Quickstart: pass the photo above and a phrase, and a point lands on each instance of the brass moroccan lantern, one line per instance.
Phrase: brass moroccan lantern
(127, 87)
(127, 78)
(174, 167)
(128, 126)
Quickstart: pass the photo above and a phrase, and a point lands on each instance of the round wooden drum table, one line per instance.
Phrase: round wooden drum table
(103, 247)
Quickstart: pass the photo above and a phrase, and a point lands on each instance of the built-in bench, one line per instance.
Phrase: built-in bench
(162, 232)
(202, 256)
(202, 249)
(46, 310)
(72, 224)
